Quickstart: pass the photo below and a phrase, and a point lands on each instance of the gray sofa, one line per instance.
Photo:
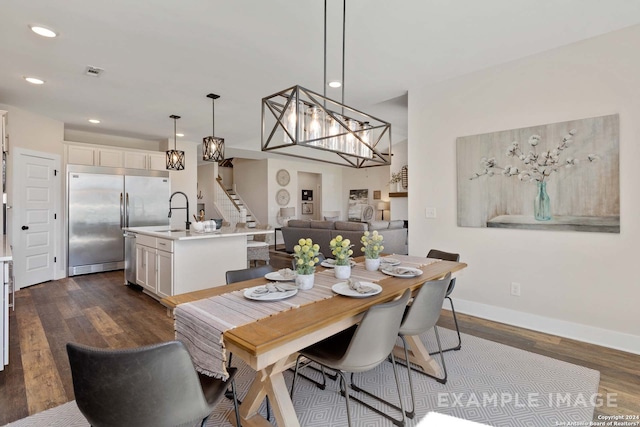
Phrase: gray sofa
(321, 232)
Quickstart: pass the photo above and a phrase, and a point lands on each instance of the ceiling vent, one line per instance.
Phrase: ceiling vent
(93, 71)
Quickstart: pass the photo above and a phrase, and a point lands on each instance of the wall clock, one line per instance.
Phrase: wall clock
(282, 176)
(283, 197)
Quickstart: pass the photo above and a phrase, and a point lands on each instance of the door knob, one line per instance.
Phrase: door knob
(25, 227)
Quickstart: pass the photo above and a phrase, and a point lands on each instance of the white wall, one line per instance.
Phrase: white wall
(186, 181)
(581, 285)
(399, 205)
(249, 177)
(376, 178)
(207, 175)
(34, 132)
(313, 182)
(332, 192)
(117, 141)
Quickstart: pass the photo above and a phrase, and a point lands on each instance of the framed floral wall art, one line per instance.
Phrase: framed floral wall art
(559, 176)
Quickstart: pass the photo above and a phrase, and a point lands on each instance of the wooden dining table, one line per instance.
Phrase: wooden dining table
(270, 345)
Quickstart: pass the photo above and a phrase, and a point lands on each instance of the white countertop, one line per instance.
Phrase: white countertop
(166, 232)
(5, 250)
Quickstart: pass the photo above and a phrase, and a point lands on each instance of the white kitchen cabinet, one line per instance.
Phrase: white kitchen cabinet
(154, 265)
(81, 155)
(164, 269)
(144, 256)
(116, 157)
(135, 160)
(93, 156)
(157, 162)
(109, 158)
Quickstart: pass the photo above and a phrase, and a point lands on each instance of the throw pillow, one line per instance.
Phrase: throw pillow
(378, 225)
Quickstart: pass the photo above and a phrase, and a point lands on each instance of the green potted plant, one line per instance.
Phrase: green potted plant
(341, 250)
(372, 246)
(306, 255)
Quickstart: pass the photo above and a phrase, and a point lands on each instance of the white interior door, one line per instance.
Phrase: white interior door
(34, 219)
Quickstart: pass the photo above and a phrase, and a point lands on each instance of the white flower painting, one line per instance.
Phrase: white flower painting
(570, 169)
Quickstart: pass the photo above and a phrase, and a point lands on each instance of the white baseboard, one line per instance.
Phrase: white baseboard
(590, 334)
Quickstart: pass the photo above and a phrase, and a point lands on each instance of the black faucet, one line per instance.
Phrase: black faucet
(186, 207)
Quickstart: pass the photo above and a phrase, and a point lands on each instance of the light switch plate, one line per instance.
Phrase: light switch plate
(430, 212)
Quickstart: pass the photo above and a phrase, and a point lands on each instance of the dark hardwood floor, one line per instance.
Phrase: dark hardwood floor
(98, 310)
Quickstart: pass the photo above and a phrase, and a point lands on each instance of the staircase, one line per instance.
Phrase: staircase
(232, 207)
(250, 219)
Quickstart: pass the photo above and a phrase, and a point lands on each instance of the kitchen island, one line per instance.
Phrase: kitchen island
(170, 262)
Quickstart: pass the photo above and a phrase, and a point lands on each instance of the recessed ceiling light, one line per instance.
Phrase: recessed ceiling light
(94, 121)
(42, 31)
(34, 80)
(179, 134)
(335, 83)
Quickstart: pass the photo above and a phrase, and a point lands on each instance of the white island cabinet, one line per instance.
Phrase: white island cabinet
(175, 262)
(7, 300)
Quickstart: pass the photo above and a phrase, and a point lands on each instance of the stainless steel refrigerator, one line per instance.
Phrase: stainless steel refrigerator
(104, 200)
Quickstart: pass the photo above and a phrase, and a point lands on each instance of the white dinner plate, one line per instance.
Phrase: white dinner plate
(410, 272)
(277, 277)
(343, 288)
(390, 261)
(330, 263)
(271, 296)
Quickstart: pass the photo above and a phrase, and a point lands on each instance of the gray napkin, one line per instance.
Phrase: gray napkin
(359, 287)
(287, 273)
(403, 271)
(272, 288)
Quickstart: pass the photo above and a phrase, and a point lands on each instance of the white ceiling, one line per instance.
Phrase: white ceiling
(162, 57)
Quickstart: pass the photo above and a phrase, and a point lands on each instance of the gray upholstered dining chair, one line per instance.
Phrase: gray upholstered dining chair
(449, 256)
(233, 276)
(155, 385)
(419, 317)
(361, 348)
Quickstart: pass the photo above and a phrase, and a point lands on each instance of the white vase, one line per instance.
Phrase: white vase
(371, 264)
(399, 187)
(305, 281)
(342, 271)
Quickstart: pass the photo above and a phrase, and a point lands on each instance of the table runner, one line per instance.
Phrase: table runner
(230, 310)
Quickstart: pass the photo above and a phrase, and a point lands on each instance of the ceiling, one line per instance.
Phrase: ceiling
(162, 57)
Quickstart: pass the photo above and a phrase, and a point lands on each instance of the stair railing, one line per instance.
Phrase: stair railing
(230, 209)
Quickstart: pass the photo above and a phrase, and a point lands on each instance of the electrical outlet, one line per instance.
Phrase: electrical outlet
(430, 212)
(515, 289)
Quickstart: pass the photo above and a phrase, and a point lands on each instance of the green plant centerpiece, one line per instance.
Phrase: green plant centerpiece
(306, 255)
(372, 244)
(341, 250)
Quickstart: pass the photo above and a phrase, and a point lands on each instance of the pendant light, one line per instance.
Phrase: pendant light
(212, 147)
(175, 158)
(297, 119)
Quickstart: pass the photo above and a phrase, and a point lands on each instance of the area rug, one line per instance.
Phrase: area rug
(490, 383)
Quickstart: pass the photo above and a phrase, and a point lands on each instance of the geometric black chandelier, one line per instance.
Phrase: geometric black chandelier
(297, 119)
(212, 147)
(175, 158)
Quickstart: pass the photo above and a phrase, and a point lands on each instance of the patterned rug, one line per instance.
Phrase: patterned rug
(488, 382)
